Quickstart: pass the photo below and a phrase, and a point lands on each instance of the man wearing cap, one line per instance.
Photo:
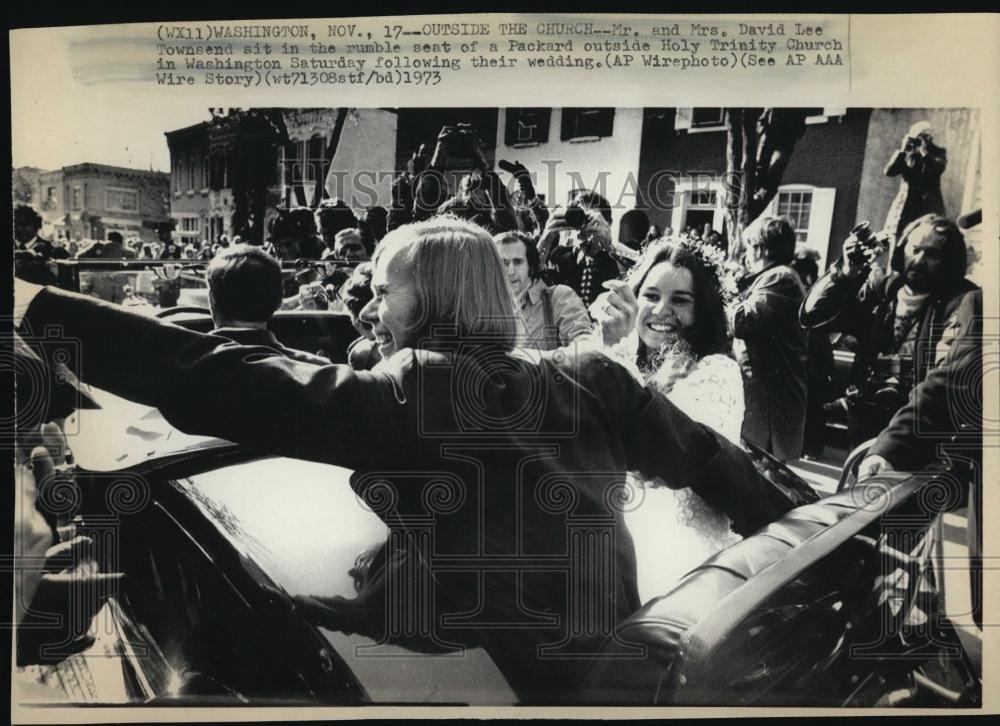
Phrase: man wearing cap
(27, 223)
(31, 252)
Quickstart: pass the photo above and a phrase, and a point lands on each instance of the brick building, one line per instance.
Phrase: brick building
(669, 162)
(222, 178)
(833, 180)
(87, 201)
(230, 174)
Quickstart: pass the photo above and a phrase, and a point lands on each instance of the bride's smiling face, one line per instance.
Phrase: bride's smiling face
(666, 304)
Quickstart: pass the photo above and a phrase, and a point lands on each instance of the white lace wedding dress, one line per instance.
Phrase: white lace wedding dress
(675, 530)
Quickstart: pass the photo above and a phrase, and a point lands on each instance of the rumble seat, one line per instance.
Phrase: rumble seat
(769, 607)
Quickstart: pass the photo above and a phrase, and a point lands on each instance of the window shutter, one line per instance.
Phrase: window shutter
(820, 222)
(540, 118)
(586, 122)
(544, 122)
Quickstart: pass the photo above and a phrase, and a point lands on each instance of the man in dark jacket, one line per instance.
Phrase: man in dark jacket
(774, 359)
(903, 322)
(113, 249)
(576, 249)
(943, 420)
(32, 253)
(27, 223)
(502, 469)
(244, 291)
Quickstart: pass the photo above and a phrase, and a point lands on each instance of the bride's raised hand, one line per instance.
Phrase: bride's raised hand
(615, 311)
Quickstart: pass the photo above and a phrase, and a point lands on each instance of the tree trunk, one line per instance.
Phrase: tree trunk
(741, 147)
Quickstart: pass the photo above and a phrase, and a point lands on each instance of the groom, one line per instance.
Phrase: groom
(509, 466)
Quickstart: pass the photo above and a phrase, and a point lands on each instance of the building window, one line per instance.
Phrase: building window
(178, 175)
(206, 175)
(527, 126)
(77, 199)
(219, 167)
(822, 115)
(587, 123)
(810, 211)
(698, 201)
(190, 174)
(795, 206)
(707, 118)
(122, 200)
(702, 199)
(695, 120)
(190, 226)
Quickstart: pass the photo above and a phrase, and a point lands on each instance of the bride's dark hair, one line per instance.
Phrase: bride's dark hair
(710, 332)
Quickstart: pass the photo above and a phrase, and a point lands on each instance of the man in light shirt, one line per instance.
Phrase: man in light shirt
(553, 315)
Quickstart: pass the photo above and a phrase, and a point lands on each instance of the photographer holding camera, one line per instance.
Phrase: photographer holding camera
(919, 163)
(904, 322)
(422, 191)
(576, 249)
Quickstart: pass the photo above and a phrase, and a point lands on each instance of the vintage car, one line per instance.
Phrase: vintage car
(832, 605)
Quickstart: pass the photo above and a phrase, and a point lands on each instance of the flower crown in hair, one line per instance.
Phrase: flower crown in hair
(713, 260)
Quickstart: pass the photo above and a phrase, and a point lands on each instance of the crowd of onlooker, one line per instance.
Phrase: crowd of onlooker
(885, 298)
(736, 332)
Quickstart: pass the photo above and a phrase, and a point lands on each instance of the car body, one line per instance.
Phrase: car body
(823, 607)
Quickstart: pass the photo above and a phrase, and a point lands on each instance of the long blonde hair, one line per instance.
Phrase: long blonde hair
(460, 283)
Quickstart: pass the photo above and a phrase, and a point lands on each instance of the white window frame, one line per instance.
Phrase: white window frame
(180, 233)
(828, 113)
(684, 121)
(682, 202)
(583, 139)
(820, 216)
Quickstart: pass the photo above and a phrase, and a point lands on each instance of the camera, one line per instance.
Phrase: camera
(461, 142)
(886, 382)
(575, 217)
(885, 391)
(866, 240)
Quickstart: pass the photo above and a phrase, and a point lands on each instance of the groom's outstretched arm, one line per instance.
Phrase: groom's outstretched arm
(204, 384)
(662, 441)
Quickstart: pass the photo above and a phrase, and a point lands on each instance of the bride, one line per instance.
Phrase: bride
(667, 324)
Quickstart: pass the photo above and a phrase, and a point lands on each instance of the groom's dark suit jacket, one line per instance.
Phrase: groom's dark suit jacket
(511, 469)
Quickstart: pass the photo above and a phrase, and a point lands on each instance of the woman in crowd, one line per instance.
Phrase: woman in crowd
(674, 335)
